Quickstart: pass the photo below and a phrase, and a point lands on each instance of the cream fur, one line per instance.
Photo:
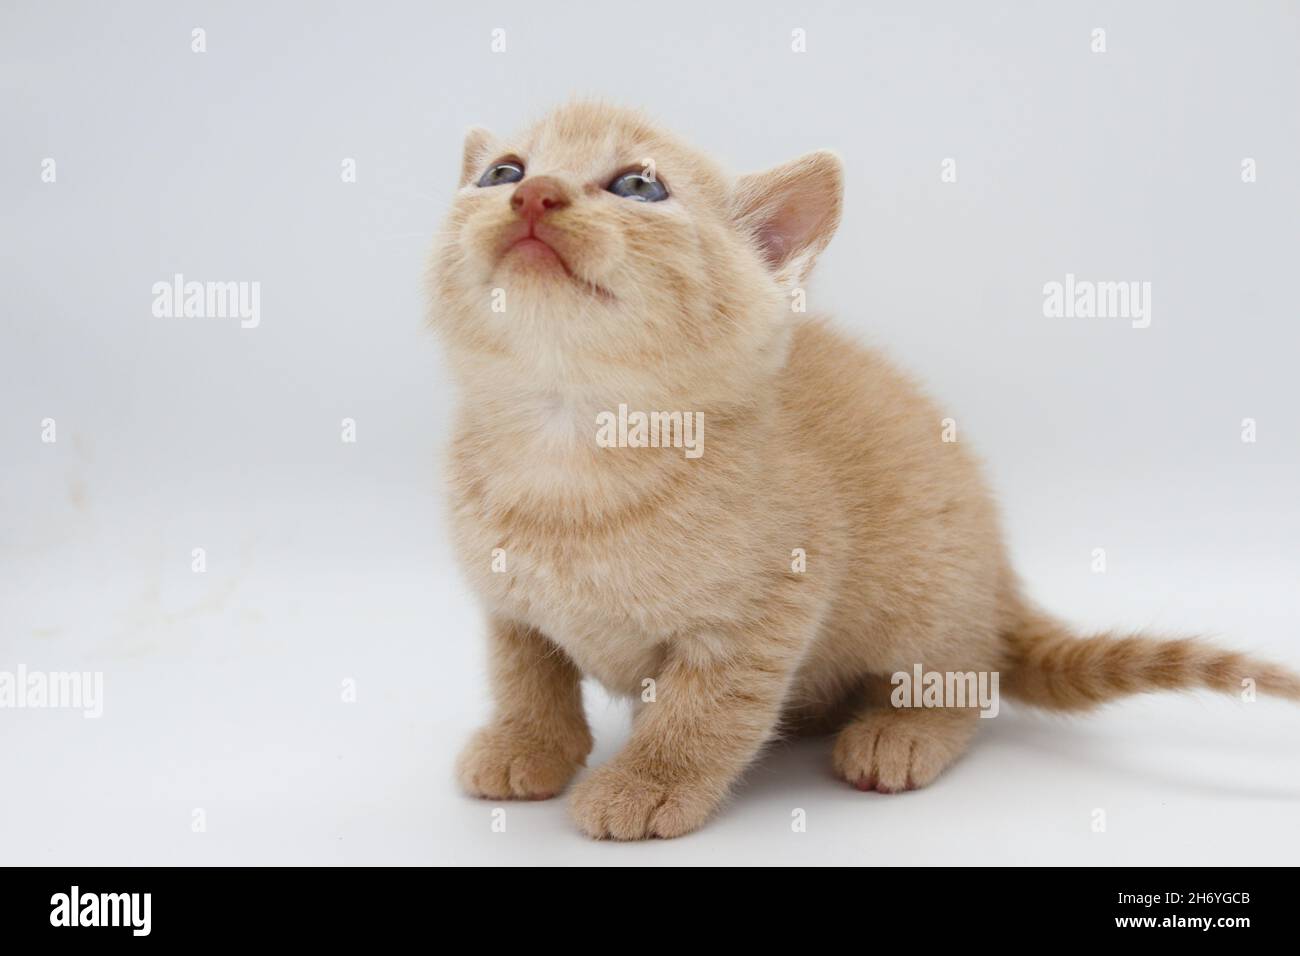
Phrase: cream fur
(623, 564)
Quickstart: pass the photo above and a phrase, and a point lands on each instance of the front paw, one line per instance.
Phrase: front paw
(500, 763)
(627, 801)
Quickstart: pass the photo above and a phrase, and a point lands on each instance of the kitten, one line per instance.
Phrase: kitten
(825, 539)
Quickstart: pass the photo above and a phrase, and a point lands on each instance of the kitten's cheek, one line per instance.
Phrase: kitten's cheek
(480, 246)
(602, 260)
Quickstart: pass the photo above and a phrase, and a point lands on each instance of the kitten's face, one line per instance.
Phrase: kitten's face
(595, 247)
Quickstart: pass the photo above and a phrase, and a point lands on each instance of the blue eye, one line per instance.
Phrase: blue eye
(638, 187)
(500, 173)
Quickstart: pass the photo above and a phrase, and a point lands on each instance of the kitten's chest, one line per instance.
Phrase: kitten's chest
(611, 597)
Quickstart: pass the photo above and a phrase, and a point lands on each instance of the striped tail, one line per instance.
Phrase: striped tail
(1051, 667)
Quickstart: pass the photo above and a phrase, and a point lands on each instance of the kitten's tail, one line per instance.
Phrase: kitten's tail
(1052, 667)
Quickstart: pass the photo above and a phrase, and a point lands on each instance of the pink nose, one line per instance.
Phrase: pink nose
(534, 198)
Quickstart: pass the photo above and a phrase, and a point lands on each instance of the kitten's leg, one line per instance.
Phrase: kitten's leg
(712, 713)
(892, 749)
(538, 737)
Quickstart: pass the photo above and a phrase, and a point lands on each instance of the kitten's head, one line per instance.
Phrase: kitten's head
(596, 249)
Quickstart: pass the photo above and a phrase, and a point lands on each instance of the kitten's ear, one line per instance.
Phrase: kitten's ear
(792, 211)
(477, 145)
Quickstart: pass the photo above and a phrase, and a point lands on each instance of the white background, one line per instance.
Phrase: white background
(328, 561)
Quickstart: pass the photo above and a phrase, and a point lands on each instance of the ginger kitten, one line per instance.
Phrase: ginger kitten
(595, 261)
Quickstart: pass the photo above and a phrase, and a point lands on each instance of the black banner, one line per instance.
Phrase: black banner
(333, 906)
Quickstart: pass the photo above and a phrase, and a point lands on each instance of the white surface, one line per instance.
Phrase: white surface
(327, 561)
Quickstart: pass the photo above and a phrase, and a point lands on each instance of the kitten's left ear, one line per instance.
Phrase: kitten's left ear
(477, 143)
(792, 211)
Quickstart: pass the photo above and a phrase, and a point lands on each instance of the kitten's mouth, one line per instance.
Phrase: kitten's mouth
(536, 250)
(524, 244)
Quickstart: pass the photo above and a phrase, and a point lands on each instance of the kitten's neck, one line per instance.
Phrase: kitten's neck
(583, 455)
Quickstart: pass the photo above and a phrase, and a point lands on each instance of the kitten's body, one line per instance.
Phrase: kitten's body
(637, 547)
(636, 564)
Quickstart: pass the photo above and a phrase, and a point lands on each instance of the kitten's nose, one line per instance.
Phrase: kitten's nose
(534, 198)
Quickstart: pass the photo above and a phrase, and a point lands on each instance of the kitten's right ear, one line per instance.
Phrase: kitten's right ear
(477, 144)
